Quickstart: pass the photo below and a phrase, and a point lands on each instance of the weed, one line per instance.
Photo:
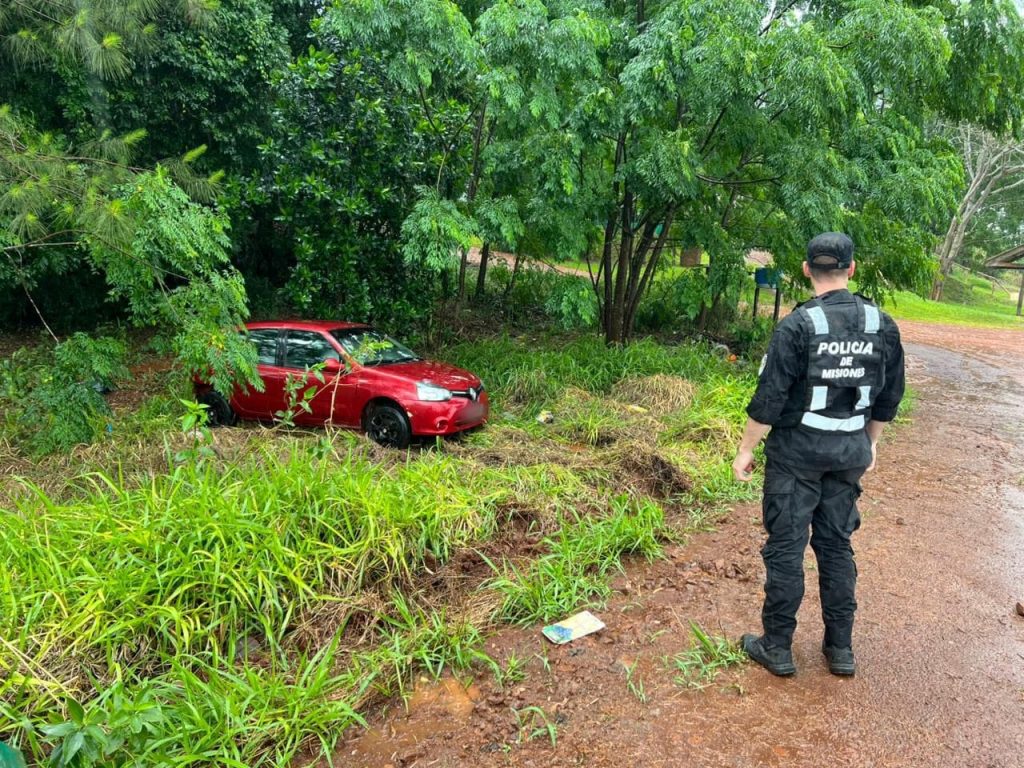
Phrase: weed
(634, 684)
(57, 402)
(513, 672)
(262, 600)
(114, 729)
(429, 639)
(545, 662)
(193, 426)
(532, 722)
(579, 560)
(702, 663)
(653, 637)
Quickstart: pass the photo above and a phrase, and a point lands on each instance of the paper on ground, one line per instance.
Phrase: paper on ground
(582, 624)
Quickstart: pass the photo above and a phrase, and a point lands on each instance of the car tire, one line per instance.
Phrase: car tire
(219, 412)
(388, 426)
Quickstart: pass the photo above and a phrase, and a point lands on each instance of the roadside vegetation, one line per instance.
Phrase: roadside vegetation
(241, 595)
(168, 170)
(967, 299)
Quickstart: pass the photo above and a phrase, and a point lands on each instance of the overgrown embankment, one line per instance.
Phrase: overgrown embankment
(234, 606)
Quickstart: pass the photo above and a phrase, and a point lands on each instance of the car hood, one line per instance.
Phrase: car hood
(442, 374)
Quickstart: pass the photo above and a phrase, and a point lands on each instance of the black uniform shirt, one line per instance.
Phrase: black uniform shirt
(781, 395)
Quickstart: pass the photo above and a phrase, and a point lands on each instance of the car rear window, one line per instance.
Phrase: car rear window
(266, 345)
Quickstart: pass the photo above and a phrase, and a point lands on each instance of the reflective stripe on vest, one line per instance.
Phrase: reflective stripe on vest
(872, 320)
(865, 398)
(817, 315)
(828, 424)
(819, 398)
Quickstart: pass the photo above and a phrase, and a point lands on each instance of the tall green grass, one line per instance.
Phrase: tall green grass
(574, 570)
(534, 371)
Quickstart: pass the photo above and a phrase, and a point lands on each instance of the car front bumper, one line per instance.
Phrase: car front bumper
(449, 417)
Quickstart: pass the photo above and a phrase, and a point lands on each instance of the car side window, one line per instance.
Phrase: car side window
(304, 349)
(265, 342)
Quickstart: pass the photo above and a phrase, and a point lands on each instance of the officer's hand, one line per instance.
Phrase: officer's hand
(874, 457)
(743, 466)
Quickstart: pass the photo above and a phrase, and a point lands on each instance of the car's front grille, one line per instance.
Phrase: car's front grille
(473, 393)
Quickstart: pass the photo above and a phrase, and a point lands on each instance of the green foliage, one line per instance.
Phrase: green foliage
(57, 401)
(673, 303)
(533, 722)
(750, 337)
(435, 231)
(576, 568)
(10, 757)
(193, 426)
(112, 731)
(298, 395)
(260, 601)
(340, 143)
(536, 372)
(435, 642)
(207, 84)
(701, 664)
(573, 304)
(72, 201)
(983, 311)
(612, 131)
(173, 272)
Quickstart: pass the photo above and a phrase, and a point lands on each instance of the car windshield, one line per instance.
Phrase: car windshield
(371, 347)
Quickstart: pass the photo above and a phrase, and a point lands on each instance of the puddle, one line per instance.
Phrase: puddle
(434, 709)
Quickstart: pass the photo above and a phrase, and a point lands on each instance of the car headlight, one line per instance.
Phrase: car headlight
(432, 393)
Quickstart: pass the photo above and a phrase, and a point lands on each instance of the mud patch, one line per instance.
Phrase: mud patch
(434, 709)
(652, 474)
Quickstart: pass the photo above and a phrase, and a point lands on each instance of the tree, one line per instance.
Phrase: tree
(337, 179)
(612, 130)
(994, 167)
(721, 125)
(77, 200)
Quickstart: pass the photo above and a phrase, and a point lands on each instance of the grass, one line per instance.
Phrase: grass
(533, 722)
(634, 684)
(700, 665)
(968, 300)
(247, 604)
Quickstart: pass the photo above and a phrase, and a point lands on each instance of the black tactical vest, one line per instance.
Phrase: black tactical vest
(845, 365)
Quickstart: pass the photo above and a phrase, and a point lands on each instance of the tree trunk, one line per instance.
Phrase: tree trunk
(471, 189)
(615, 333)
(463, 262)
(512, 279)
(481, 277)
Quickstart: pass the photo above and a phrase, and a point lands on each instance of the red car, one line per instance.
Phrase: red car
(370, 382)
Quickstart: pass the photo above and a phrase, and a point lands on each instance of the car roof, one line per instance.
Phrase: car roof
(325, 326)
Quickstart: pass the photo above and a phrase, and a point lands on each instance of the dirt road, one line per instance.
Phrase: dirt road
(940, 680)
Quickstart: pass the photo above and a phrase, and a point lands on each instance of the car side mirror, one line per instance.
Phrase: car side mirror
(333, 365)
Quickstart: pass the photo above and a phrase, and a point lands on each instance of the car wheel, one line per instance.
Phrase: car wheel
(218, 411)
(388, 426)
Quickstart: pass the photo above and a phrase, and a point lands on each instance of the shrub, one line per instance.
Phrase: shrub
(58, 403)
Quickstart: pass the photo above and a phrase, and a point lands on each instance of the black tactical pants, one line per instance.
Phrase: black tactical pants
(796, 499)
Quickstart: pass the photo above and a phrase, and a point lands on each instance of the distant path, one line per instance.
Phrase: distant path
(941, 653)
(509, 260)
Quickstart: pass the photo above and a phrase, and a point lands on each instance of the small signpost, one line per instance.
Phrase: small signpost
(769, 278)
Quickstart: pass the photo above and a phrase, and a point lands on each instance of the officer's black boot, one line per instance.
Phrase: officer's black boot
(778, 661)
(840, 660)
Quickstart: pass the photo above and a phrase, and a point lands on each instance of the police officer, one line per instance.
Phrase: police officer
(831, 380)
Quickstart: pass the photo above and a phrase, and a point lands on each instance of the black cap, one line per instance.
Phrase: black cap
(831, 250)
